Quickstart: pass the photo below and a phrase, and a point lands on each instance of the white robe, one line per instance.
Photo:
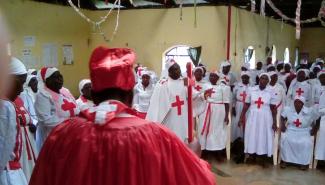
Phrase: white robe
(255, 73)
(320, 142)
(50, 113)
(296, 142)
(168, 105)
(305, 90)
(8, 131)
(258, 130)
(238, 102)
(212, 130)
(28, 98)
(84, 104)
(230, 78)
(141, 97)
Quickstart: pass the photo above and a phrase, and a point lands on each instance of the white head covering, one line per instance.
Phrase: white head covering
(306, 71)
(198, 68)
(270, 65)
(280, 62)
(16, 67)
(168, 63)
(271, 73)
(319, 60)
(46, 72)
(288, 64)
(141, 69)
(266, 74)
(28, 79)
(301, 98)
(303, 61)
(225, 63)
(246, 65)
(30, 71)
(320, 73)
(247, 73)
(82, 83)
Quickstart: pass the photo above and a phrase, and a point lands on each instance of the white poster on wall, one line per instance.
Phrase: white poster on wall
(67, 54)
(50, 55)
(29, 41)
(28, 59)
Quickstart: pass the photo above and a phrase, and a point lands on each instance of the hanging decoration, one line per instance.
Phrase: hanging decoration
(262, 8)
(97, 24)
(298, 28)
(180, 2)
(253, 5)
(195, 14)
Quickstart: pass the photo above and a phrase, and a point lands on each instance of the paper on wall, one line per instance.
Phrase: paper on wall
(50, 55)
(67, 54)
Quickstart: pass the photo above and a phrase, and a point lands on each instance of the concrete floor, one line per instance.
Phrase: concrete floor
(229, 173)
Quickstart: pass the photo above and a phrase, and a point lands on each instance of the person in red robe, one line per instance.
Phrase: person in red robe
(107, 144)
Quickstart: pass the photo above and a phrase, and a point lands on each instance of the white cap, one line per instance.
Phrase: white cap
(16, 67)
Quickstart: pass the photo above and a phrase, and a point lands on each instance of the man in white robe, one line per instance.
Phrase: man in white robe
(169, 105)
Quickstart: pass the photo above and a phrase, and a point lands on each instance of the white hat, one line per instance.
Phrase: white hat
(306, 71)
(225, 63)
(246, 65)
(320, 73)
(245, 73)
(16, 67)
(319, 60)
(264, 74)
(82, 83)
(47, 72)
(28, 79)
(271, 73)
(303, 61)
(270, 65)
(30, 71)
(169, 63)
(198, 68)
(301, 98)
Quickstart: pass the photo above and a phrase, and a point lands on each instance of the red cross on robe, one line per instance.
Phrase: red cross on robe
(198, 88)
(297, 123)
(299, 91)
(178, 103)
(243, 95)
(68, 106)
(259, 102)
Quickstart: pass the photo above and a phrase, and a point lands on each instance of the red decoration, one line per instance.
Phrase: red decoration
(178, 103)
(299, 92)
(68, 106)
(259, 102)
(297, 123)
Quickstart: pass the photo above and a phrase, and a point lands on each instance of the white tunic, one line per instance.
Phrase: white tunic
(255, 73)
(168, 105)
(258, 131)
(296, 142)
(28, 98)
(300, 89)
(230, 78)
(320, 143)
(8, 131)
(141, 98)
(239, 96)
(213, 131)
(84, 103)
(52, 109)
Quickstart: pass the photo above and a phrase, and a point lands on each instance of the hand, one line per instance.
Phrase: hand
(194, 146)
(283, 128)
(241, 121)
(207, 93)
(226, 120)
(32, 128)
(234, 111)
(313, 131)
(274, 127)
(185, 81)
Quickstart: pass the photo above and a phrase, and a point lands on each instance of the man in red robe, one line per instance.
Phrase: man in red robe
(108, 145)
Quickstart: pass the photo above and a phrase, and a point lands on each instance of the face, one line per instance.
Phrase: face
(322, 79)
(145, 80)
(268, 60)
(55, 82)
(287, 68)
(259, 65)
(16, 88)
(298, 105)
(279, 67)
(264, 80)
(174, 72)
(301, 76)
(274, 79)
(226, 69)
(33, 84)
(198, 74)
(244, 69)
(245, 79)
(86, 91)
(213, 78)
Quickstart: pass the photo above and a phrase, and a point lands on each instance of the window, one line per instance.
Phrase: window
(179, 54)
(250, 57)
(286, 57)
(273, 54)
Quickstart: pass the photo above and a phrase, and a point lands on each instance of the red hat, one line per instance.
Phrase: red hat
(112, 68)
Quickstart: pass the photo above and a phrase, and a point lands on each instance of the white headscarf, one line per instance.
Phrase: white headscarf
(306, 71)
(16, 67)
(225, 63)
(82, 83)
(168, 63)
(198, 68)
(30, 71)
(266, 74)
(245, 73)
(28, 79)
(271, 73)
(246, 65)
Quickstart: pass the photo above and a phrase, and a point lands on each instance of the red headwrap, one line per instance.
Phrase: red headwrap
(112, 68)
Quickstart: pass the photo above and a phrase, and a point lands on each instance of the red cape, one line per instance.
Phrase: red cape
(125, 151)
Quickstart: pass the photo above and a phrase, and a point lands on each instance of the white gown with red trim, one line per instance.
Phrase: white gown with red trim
(239, 96)
(83, 103)
(300, 89)
(296, 142)
(213, 132)
(320, 142)
(52, 109)
(258, 130)
(29, 152)
(168, 105)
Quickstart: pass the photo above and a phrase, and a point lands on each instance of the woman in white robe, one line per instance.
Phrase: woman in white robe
(85, 101)
(261, 120)
(213, 131)
(53, 104)
(28, 96)
(320, 142)
(296, 142)
(142, 94)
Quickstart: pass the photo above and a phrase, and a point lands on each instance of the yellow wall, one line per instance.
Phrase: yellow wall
(313, 42)
(50, 24)
(152, 31)
(149, 31)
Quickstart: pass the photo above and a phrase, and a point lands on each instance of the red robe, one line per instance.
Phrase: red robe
(122, 150)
